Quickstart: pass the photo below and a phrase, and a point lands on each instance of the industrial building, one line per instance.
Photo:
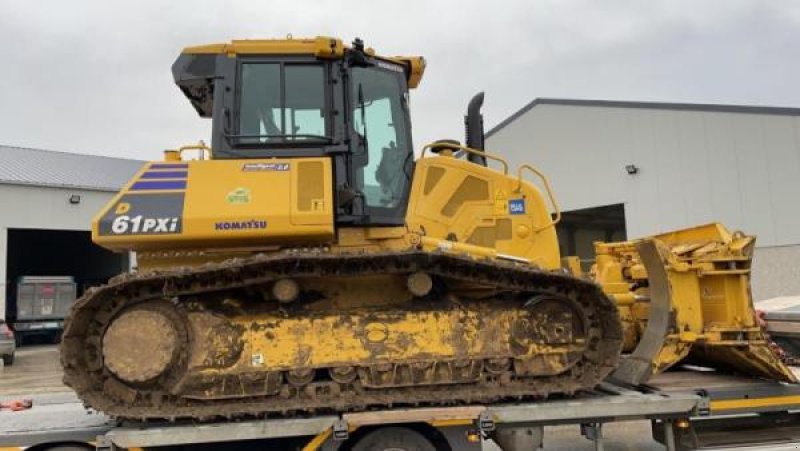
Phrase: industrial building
(618, 169)
(627, 169)
(48, 200)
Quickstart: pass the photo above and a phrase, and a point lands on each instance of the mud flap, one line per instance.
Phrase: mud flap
(684, 322)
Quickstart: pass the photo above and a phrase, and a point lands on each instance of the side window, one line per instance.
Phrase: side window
(377, 126)
(280, 105)
(260, 104)
(379, 117)
(305, 100)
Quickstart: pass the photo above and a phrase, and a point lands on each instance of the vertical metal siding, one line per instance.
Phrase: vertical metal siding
(696, 166)
(32, 207)
(782, 152)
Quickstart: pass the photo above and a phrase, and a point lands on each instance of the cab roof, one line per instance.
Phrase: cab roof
(195, 69)
(322, 47)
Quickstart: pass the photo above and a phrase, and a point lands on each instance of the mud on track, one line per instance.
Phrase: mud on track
(85, 372)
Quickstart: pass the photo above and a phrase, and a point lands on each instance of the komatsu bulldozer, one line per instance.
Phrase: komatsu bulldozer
(310, 262)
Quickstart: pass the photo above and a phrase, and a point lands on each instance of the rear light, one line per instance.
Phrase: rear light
(5, 331)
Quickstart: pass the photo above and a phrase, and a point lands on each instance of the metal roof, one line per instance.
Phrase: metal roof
(36, 167)
(711, 107)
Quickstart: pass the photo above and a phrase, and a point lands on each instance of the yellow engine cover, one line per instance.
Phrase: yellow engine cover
(220, 203)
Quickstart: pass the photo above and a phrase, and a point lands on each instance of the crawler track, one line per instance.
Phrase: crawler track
(168, 398)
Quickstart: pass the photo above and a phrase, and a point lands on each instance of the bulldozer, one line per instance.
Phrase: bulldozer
(309, 261)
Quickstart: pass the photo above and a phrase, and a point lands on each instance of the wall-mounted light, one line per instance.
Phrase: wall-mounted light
(631, 169)
(75, 199)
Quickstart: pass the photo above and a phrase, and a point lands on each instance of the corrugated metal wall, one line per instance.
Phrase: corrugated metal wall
(31, 207)
(695, 166)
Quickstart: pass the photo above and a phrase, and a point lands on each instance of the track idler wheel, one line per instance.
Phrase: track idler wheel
(142, 343)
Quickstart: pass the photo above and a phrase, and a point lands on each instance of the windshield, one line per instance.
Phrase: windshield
(380, 120)
(281, 103)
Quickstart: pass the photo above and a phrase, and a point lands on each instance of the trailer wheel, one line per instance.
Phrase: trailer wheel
(66, 448)
(394, 439)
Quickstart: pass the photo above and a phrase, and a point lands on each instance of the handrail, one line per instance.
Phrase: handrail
(542, 177)
(199, 146)
(177, 155)
(469, 150)
(549, 190)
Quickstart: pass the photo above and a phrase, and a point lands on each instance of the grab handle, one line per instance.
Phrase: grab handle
(177, 155)
(546, 183)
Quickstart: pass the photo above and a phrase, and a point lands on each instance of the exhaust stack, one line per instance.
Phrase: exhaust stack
(473, 123)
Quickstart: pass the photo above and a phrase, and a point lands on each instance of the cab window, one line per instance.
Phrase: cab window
(281, 103)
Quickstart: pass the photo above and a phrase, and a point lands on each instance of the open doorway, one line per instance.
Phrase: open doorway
(579, 229)
(69, 253)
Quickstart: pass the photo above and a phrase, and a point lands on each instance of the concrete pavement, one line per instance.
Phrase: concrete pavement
(35, 370)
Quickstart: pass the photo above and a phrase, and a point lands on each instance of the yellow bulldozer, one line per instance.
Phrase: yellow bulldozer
(310, 262)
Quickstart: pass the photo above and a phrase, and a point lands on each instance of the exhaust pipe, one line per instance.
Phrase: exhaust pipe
(473, 124)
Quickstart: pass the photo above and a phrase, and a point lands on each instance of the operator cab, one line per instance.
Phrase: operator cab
(312, 98)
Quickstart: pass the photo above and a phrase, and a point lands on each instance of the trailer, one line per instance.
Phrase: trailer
(687, 409)
(42, 303)
(782, 321)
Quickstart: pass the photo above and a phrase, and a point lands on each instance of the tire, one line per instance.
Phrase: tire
(68, 448)
(394, 439)
(8, 360)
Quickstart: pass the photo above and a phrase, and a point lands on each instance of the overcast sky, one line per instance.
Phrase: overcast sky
(94, 77)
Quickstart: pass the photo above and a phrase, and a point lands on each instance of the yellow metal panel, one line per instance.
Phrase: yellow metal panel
(466, 203)
(318, 440)
(312, 199)
(113, 204)
(452, 422)
(753, 403)
(223, 203)
(416, 68)
(321, 342)
(321, 46)
(573, 265)
(334, 338)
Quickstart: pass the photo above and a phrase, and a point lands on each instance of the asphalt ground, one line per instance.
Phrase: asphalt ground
(35, 370)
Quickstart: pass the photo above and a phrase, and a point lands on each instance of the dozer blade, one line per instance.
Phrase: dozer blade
(688, 300)
(655, 345)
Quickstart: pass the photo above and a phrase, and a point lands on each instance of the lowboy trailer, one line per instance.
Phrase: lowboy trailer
(687, 409)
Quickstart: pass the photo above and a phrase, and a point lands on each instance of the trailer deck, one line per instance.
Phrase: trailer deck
(609, 403)
(682, 406)
(733, 410)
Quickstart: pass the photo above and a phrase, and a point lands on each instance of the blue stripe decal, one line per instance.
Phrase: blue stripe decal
(165, 175)
(144, 186)
(169, 166)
